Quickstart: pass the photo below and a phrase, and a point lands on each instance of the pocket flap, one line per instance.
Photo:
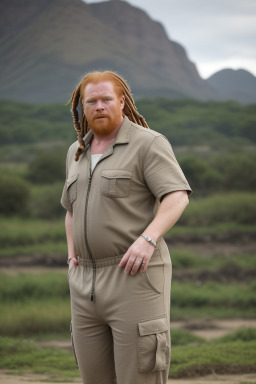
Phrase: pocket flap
(71, 180)
(151, 327)
(116, 173)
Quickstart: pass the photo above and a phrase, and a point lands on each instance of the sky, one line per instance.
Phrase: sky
(216, 34)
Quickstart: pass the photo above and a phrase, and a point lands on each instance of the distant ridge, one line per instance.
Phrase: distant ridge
(47, 45)
(238, 85)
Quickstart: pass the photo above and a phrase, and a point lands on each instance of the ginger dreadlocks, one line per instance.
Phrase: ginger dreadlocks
(121, 87)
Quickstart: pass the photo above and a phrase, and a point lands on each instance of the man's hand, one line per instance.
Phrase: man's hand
(72, 262)
(137, 256)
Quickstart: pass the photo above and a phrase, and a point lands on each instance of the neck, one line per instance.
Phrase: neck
(100, 142)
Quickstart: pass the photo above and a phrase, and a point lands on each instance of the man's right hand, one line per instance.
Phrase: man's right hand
(72, 262)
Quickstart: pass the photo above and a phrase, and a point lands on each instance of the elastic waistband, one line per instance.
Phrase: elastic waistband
(99, 263)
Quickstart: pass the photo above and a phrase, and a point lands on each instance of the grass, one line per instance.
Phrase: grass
(35, 317)
(27, 236)
(215, 229)
(213, 300)
(236, 207)
(17, 354)
(184, 259)
(26, 232)
(191, 356)
(34, 304)
(39, 303)
(228, 357)
(46, 248)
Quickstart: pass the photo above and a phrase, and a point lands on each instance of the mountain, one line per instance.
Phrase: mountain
(238, 85)
(47, 45)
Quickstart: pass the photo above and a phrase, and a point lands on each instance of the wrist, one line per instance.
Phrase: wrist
(149, 239)
(70, 259)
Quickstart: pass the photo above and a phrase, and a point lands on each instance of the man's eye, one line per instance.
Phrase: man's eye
(107, 99)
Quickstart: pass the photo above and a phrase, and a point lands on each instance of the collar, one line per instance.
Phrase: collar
(122, 137)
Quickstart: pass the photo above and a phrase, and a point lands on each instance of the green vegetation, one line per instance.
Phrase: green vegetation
(191, 356)
(190, 122)
(33, 123)
(213, 299)
(236, 207)
(24, 355)
(232, 357)
(22, 232)
(184, 259)
(14, 195)
(39, 303)
(215, 145)
(184, 122)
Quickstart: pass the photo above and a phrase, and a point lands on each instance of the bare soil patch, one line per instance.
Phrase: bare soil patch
(217, 379)
(213, 328)
(231, 273)
(215, 248)
(28, 378)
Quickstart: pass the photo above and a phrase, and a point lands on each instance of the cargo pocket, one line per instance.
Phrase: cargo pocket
(115, 182)
(72, 342)
(72, 188)
(153, 345)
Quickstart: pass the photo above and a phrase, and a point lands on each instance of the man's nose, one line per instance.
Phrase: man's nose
(99, 105)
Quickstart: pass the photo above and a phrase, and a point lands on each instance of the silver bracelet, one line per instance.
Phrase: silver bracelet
(149, 239)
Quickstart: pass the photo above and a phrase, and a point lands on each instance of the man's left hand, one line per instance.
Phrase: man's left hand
(137, 256)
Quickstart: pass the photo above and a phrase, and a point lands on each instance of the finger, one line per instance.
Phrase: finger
(124, 260)
(136, 266)
(129, 264)
(144, 265)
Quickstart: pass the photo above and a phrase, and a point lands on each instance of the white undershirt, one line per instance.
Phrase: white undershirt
(95, 159)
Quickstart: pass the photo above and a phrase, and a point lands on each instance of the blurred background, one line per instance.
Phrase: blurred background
(191, 65)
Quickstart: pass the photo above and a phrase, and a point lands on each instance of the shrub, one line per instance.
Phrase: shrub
(14, 195)
(200, 175)
(234, 207)
(47, 167)
(45, 201)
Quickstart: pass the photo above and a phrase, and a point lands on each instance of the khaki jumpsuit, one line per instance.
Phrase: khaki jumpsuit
(120, 323)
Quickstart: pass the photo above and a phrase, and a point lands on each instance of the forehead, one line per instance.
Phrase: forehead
(98, 89)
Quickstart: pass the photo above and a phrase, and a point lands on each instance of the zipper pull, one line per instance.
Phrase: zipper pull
(93, 297)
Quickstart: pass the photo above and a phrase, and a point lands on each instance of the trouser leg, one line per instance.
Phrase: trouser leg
(92, 337)
(94, 351)
(136, 311)
(138, 315)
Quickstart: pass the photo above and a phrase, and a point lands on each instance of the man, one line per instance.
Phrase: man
(124, 190)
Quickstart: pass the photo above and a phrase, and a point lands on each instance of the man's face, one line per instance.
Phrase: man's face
(103, 107)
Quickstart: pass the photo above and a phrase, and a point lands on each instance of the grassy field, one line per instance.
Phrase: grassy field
(30, 236)
(191, 356)
(209, 284)
(39, 304)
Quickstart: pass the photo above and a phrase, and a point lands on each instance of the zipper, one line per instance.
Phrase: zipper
(86, 239)
(86, 236)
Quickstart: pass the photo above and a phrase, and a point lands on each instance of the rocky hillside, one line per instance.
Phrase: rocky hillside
(239, 85)
(47, 45)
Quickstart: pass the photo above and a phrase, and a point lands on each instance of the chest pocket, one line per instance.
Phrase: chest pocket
(72, 188)
(115, 182)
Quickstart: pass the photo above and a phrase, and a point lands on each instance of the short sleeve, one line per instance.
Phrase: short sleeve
(65, 199)
(65, 202)
(162, 171)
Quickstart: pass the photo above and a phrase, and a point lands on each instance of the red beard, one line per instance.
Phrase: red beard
(101, 125)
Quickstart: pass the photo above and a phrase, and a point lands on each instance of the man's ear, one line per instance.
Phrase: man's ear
(122, 101)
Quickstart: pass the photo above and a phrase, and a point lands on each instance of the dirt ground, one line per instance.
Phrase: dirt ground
(213, 328)
(28, 378)
(206, 328)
